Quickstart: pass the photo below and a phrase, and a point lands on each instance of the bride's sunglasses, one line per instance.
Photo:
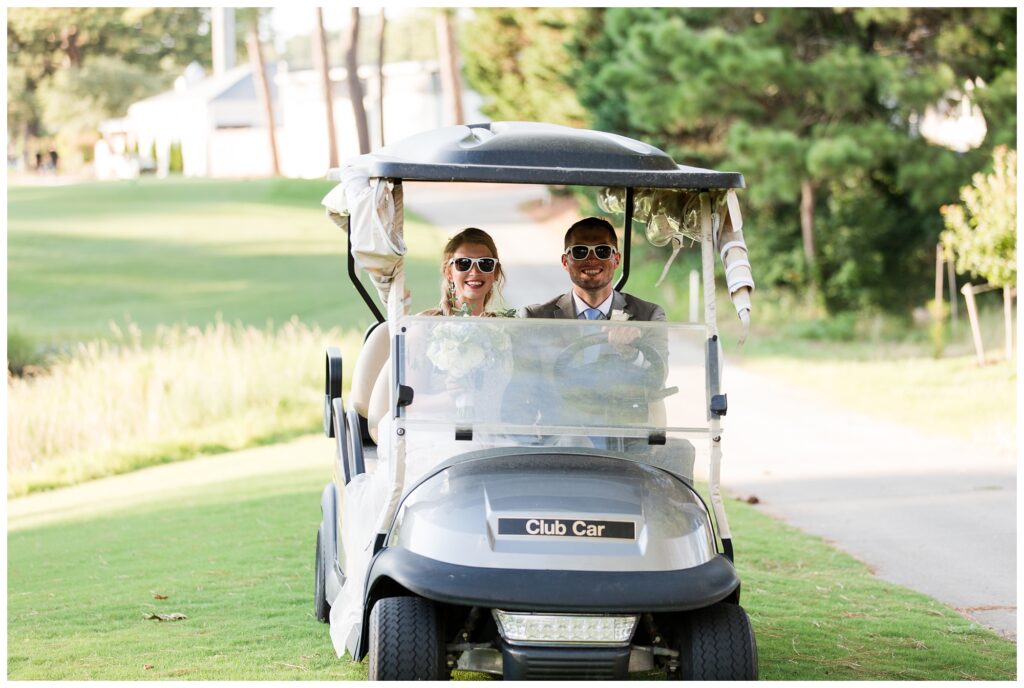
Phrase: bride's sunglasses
(482, 264)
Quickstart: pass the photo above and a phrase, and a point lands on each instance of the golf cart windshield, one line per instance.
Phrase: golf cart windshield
(636, 389)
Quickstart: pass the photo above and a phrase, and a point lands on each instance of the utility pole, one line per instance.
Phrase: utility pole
(222, 31)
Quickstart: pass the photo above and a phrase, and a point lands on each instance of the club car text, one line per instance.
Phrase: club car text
(557, 527)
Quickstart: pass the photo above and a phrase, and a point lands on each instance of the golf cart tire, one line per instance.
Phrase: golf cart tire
(717, 644)
(332, 387)
(321, 609)
(406, 641)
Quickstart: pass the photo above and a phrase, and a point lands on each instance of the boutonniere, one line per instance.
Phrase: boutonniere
(619, 315)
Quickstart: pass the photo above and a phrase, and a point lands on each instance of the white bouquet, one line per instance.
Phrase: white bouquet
(462, 348)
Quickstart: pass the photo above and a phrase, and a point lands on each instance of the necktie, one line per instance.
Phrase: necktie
(589, 356)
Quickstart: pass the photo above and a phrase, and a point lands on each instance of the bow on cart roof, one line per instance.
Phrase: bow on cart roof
(536, 153)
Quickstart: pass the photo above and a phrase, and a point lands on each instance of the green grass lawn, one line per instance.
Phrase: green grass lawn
(236, 557)
(183, 251)
(87, 259)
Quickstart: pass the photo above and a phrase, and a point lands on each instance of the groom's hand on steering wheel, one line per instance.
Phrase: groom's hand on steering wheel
(621, 340)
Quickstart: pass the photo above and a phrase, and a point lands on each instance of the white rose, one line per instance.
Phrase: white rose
(473, 355)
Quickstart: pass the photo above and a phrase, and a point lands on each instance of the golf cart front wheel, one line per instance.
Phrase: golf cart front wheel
(406, 641)
(717, 644)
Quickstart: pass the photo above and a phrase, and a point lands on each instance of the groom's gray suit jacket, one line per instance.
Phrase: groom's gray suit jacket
(564, 307)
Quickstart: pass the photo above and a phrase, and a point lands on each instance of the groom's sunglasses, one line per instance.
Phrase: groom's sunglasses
(581, 252)
(482, 264)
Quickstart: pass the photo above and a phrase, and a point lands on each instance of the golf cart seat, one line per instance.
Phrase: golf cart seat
(377, 408)
(370, 362)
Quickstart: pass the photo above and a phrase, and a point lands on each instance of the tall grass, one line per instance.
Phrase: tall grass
(116, 405)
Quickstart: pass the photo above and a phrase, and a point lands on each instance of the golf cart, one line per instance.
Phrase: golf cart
(530, 509)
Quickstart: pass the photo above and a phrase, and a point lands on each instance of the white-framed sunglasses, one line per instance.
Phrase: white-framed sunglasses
(582, 251)
(466, 264)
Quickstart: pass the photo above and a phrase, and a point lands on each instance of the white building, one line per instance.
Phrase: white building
(219, 121)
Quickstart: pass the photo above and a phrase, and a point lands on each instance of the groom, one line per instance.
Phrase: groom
(591, 257)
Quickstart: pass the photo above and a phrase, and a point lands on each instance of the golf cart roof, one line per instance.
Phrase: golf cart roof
(537, 153)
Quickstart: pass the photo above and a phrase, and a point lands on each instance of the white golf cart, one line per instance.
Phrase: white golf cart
(529, 509)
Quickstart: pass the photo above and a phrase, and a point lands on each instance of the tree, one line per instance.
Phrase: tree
(981, 231)
(448, 63)
(355, 88)
(80, 98)
(323, 67)
(74, 101)
(151, 38)
(784, 91)
(43, 43)
(982, 234)
(22, 108)
(818, 107)
(259, 76)
(517, 59)
(382, 24)
(815, 106)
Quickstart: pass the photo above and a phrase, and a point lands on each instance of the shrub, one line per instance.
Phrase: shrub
(23, 354)
(176, 163)
(982, 231)
(838, 328)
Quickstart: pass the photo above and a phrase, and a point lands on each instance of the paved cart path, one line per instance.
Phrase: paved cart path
(935, 514)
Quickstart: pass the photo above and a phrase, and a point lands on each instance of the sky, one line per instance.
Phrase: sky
(291, 21)
(288, 21)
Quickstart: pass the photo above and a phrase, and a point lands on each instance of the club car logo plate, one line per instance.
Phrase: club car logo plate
(567, 527)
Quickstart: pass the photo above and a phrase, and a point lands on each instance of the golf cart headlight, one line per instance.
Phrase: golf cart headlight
(519, 627)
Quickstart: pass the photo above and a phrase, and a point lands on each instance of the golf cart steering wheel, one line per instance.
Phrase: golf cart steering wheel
(578, 379)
